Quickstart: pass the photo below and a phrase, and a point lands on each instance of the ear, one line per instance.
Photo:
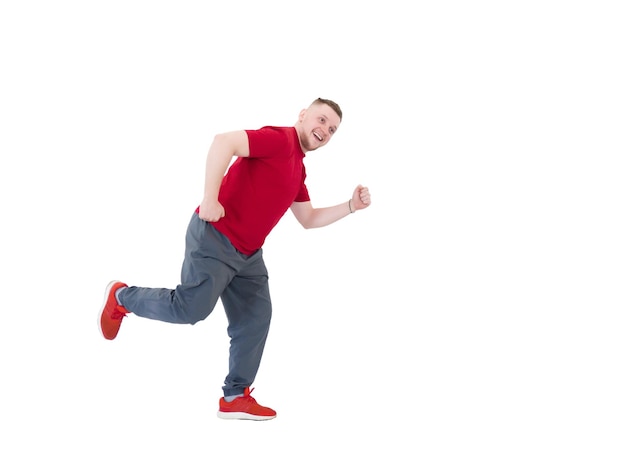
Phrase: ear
(301, 115)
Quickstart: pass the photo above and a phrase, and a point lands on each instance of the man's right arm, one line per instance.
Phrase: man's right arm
(224, 147)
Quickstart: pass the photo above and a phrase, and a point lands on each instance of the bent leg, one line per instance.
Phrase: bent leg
(207, 270)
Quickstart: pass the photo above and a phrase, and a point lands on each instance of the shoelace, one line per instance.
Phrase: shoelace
(246, 395)
(117, 314)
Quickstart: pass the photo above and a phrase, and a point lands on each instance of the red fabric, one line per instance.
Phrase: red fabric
(257, 190)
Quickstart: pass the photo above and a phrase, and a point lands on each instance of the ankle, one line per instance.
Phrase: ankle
(117, 296)
(230, 398)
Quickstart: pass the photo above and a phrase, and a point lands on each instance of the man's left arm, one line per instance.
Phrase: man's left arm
(310, 217)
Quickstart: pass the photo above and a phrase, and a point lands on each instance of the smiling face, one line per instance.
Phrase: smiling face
(316, 125)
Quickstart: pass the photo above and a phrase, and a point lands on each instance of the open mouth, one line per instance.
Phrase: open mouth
(318, 136)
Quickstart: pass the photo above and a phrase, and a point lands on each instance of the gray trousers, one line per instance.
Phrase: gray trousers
(213, 269)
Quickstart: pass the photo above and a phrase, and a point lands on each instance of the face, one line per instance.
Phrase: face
(316, 125)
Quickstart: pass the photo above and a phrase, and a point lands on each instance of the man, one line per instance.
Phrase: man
(223, 253)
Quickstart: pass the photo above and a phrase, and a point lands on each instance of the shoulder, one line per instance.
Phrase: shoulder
(271, 132)
(269, 139)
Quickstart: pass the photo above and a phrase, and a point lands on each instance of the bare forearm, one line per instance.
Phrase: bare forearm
(310, 217)
(323, 216)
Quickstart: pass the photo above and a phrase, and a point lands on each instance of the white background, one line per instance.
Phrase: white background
(473, 317)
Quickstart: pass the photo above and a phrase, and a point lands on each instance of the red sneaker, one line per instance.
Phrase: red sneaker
(112, 313)
(245, 407)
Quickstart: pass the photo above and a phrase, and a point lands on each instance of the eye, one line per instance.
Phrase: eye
(332, 130)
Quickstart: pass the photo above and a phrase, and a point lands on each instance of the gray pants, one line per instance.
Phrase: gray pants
(214, 269)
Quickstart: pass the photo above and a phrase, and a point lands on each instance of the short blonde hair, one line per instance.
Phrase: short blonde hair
(334, 106)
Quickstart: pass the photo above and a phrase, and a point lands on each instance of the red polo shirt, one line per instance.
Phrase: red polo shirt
(257, 190)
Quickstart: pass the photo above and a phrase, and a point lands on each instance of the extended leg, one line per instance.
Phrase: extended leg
(248, 307)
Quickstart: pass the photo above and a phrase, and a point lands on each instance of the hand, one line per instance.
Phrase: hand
(361, 198)
(211, 210)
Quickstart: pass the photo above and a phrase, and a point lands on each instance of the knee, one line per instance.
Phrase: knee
(190, 313)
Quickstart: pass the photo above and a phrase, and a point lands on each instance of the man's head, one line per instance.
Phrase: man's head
(317, 124)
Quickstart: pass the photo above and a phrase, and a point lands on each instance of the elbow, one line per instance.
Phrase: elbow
(306, 216)
(306, 224)
(220, 140)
